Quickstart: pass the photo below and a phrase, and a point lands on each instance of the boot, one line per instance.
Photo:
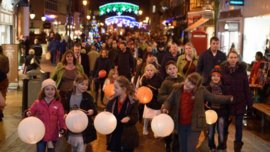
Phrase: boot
(238, 146)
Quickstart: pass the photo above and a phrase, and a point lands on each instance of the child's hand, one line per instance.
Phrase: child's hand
(65, 116)
(62, 131)
(28, 113)
(165, 111)
(90, 112)
(125, 120)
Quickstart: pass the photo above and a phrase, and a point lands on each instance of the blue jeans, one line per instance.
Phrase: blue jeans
(220, 124)
(53, 56)
(188, 139)
(238, 127)
(41, 146)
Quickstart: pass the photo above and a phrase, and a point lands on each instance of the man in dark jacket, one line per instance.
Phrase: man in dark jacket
(53, 48)
(172, 56)
(63, 49)
(124, 61)
(27, 45)
(38, 49)
(112, 53)
(96, 44)
(209, 59)
(82, 59)
(161, 53)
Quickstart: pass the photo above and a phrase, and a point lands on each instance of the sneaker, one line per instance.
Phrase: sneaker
(145, 132)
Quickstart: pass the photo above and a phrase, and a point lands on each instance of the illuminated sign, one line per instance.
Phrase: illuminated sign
(237, 2)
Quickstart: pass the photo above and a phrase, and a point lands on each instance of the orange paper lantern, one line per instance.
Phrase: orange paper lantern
(102, 74)
(144, 95)
(109, 90)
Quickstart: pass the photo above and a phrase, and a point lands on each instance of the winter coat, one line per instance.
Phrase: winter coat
(60, 70)
(207, 62)
(182, 62)
(92, 56)
(51, 115)
(4, 63)
(112, 54)
(160, 55)
(38, 49)
(101, 64)
(54, 45)
(238, 86)
(85, 64)
(89, 134)
(28, 64)
(63, 47)
(198, 122)
(130, 135)
(154, 84)
(166, 58)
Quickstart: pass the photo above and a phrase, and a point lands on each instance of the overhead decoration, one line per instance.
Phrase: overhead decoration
(118, 8)
(94, 28)
(126, 21)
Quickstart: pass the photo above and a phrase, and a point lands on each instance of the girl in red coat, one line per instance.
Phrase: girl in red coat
(51, 112)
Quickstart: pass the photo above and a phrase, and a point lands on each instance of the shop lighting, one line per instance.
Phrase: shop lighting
(85, 2)
(226, 27)
(32, 15)
(88, 17)
(43, 18)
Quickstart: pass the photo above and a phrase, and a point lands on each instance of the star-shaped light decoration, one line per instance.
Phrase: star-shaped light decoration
(130, 10)
(124, 9)
(136, 12)
(102, 12)
(119, 13)
(108, 10)
(114, 9)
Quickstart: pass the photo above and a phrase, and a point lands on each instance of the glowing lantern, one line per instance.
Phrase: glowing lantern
(31, 130)
(162, 125)
(109, 90)
(144, 95)
(102, 74)
(211, 117)
(105, 123)
(76, 121)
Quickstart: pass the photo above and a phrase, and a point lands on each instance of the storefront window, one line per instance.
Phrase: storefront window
(256, 31)
(5, 34)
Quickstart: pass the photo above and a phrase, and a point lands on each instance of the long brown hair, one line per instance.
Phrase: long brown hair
(124, 83)
(64, 61)
(41, 94)
(79, 79)
(111, 73)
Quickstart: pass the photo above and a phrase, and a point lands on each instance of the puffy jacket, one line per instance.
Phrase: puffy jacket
(51, 115)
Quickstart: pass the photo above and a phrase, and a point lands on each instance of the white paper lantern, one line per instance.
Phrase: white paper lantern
(211, 117)
(76, 121)
(105, 123)
(162, 125)
(31, 130)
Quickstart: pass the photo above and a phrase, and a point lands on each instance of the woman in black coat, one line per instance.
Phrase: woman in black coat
(236, 80)
(28, 65)
(102, 63)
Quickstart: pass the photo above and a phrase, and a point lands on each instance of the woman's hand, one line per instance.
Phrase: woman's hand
(28, 113)
(125, 120)
(165, 111)
(90, 112)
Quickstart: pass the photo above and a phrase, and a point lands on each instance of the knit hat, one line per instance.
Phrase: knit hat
(216, 70)
(48, 82)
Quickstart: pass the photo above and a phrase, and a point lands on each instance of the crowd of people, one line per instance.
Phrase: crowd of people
(183, 84)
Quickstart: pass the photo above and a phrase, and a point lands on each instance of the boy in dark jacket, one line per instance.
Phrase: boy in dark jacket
(165, 90)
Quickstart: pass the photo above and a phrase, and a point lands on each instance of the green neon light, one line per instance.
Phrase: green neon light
(118, 7)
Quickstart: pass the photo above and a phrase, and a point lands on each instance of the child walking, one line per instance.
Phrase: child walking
(50, 111)
(113, 74)
(125, 137)
(152, 80)
(76, 99)
(187, 99)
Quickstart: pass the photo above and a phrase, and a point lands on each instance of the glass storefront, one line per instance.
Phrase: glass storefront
(256, 32)
(5, 37)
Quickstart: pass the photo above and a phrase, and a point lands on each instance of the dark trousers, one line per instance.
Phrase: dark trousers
(53, 57)
(41, 146)
(238, 127)
(140, 109)
(172, 138)
(188, 139)
(98, 86)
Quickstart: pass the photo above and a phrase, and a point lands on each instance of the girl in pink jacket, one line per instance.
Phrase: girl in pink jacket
(51, 112)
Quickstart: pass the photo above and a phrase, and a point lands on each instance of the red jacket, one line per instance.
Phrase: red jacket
(254, 72)
(50, 115)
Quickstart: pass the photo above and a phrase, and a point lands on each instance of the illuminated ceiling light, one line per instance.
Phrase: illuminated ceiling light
(32, 15)
(85, 2)
(226, 27)
(43, 18)
(55, 22)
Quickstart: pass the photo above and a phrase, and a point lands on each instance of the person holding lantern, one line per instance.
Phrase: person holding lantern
(79, 99)
(187, 99)
(165, 90)
(216, 86)
(152, 80)
(102, 63)
(51, 112)
(122, 104)
(236, 80)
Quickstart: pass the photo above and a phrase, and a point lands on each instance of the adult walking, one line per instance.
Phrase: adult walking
(113, 52)
(53, 48)
(92, 56)
(82, 59)
(102, 63)
(124, 62)
(209, 59)
(187, 63)
(63, 49)
(235, 79)
(65, 73)
(38, 49)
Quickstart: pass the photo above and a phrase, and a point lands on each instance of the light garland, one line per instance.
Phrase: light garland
(118, 7)
(126, 21)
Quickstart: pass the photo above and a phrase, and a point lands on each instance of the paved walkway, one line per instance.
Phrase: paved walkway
(10, 142)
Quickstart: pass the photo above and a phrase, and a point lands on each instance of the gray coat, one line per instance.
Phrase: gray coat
(198, 122)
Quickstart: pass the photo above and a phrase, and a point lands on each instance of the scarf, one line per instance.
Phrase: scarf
(216, 89)
(232, 69)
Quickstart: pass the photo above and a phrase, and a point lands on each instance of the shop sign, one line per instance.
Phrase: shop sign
(208, 15)
(233, 27)
(47, 26)
(237, 2)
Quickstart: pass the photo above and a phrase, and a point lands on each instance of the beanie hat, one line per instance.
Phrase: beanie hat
(48, 82)
(216, 70)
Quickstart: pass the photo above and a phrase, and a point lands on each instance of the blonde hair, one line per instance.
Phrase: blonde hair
(194, 53)
(79, 79)
(111, 73)
(150, 66)
(31, 51)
